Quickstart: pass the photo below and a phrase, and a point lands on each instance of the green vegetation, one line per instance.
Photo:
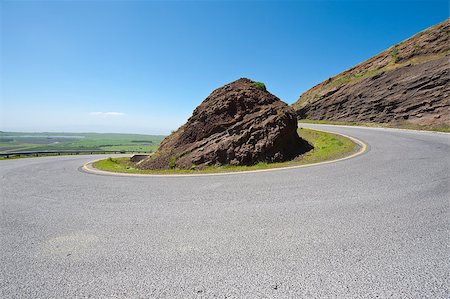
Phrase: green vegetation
(394, 55)
(397, 125)
(260, 86)
(172, 162)
(327, 146)
(349, 78)
(18, 141)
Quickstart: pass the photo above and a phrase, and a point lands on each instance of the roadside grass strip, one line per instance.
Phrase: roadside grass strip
(328, 147)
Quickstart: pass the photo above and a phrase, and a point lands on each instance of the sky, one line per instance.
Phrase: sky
(143, 66)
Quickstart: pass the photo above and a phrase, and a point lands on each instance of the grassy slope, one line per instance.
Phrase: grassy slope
(428, 45)
(345, 78)
(412, 51)
(327, 146)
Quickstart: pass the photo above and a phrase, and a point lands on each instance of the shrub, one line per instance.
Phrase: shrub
(172, 162)
(394, 55)
(260, 86)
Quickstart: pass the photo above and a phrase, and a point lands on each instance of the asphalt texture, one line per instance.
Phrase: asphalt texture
(374, 226)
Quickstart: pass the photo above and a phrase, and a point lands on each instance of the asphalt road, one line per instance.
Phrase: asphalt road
(373, 226)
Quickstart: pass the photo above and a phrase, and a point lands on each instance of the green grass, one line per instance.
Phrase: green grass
(15, 146)
(398, 125)
(260, 86)
(394, 55)
(349, 77)
(19, 141)
(38, 156)
(327, 146)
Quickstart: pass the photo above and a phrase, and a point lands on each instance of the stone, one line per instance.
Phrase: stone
(240, 123)
(382, 91)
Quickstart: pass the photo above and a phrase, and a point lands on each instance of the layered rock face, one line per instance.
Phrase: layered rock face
(408, 83)
(419, 94)
(240, 124)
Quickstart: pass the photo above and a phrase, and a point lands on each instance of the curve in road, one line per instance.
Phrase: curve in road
(374, 225)
(362, 148)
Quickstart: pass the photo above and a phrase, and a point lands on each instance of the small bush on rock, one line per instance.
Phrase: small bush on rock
(172, 162)
(260, 86)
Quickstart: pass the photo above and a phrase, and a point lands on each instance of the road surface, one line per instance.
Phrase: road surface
(376, 225)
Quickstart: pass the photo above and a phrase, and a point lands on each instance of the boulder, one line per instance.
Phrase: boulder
(138, 158)
(240, 123)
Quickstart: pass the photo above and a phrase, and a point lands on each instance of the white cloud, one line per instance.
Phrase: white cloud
(107, 113)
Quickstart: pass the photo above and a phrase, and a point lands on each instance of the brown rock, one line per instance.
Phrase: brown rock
(407, 83)
(240, 123)
(138, 158)
(422, 92)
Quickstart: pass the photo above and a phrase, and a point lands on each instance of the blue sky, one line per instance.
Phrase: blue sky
(142, 67)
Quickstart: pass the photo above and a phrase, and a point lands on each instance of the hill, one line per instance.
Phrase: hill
(405, 84)
(240, 123)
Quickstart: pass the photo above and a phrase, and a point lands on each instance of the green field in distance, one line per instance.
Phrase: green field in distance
(21, 141)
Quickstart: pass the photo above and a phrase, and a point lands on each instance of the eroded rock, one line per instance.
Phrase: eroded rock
(240, 123)
(407, 83)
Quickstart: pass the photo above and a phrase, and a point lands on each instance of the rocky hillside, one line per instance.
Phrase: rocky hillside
(240, 123)
(406, 84)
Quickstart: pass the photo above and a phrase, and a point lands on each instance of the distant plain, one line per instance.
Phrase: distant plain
(45, 141)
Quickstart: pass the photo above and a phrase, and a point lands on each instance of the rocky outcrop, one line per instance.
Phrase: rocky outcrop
(418, 94)
(138, 158)
(408, 83)
(240, 123)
